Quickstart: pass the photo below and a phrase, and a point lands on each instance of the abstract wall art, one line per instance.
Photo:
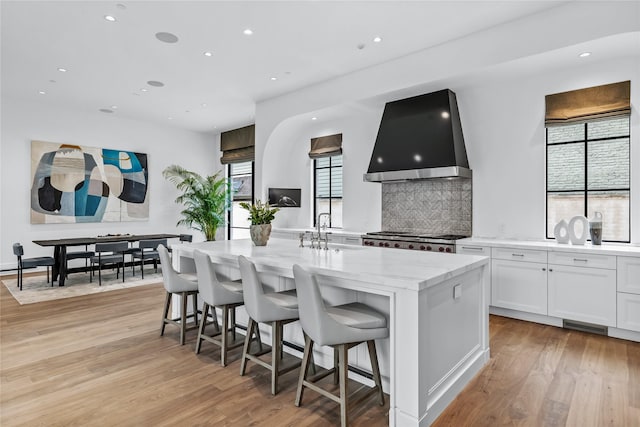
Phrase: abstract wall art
(78, 184)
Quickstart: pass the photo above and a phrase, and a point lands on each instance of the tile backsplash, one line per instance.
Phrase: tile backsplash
(434, 206)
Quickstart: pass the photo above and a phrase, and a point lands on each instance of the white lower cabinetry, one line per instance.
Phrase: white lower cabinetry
(519, 285)
(629, 311)
(583, 294)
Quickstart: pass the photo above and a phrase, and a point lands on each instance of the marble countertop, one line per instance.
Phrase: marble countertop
(621, 249)
(380, 267)
(336, 231)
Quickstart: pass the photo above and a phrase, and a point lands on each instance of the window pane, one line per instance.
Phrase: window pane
(563, 206)
(565, 133)
(239, 216)
(240, 233)
(336, 160)
(608, 164)
(243, 168)
(336, 213)
(614, 206)
(565, 167)
(336, 182)
(322, 162)
(322, 205)
(609, 128)
(322, 182)
(241, 187)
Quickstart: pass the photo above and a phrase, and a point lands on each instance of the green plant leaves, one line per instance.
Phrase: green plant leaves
(260, 213)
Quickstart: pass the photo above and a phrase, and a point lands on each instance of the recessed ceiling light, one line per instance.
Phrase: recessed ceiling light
(167, 37)
(204, 105)
(248, 32)
(106, 110)
(584, 54)
(377, 39)
(143, 90)
(274, 78)
(41, 92)
(114, 107)
(208, 53)
(62, 70)
(445, 114)
(155, 83)
(314, 118)
(110, 18)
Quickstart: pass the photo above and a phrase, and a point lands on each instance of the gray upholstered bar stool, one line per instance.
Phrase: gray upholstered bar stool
(340, 327)
(175, 283)
(276, 309)
(214, 293)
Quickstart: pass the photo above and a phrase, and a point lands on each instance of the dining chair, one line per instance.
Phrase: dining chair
(178, 284)
(274, 308)
(108, 253)
(86, 255)
(147, 251)
(43, 261)
(341, 327)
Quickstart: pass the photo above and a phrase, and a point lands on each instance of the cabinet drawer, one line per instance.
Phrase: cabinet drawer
(629, 311)
(473, 250)
(352, 240)
(583, 260)
(629, 274)
(513, 254)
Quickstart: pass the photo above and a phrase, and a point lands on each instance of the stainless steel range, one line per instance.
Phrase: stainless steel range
(410, 240)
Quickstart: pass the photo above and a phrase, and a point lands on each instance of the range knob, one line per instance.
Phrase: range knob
(429, 248)
(397, 245)
(422, 248)
(386, 245)
(448, 250)
(410, 246)
(441, 249)
(380, 244)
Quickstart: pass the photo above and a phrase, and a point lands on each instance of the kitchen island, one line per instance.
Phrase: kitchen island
(437, 308)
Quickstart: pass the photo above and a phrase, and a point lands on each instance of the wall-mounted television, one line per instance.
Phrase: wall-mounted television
(285, 197)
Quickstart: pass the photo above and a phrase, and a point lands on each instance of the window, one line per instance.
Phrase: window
(241, 176)
(588, 170)
(328, 189)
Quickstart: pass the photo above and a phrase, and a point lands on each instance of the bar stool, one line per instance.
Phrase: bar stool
(276, 309)
(175, 283)
(214, 293)
(340, 327)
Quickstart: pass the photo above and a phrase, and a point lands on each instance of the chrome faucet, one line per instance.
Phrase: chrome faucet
(326, 235)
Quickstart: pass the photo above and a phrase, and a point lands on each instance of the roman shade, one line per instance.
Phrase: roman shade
(238, 145)
(588, 104)
(325, 146)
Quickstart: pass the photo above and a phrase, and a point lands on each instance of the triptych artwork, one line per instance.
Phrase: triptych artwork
(78, 184)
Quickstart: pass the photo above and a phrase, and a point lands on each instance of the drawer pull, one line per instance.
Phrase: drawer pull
(520, 255)
(580, 260)
(471, 249)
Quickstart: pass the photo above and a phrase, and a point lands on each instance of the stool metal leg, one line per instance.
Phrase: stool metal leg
(276, 354)
(225, 335)
(343, 351)
(183, 317)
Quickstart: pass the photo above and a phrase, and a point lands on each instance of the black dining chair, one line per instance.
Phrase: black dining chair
(43, 261)
(86, 255)
(148, 250)
(109, 253)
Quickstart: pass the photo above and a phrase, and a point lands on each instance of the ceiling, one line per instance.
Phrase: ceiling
(294, 44)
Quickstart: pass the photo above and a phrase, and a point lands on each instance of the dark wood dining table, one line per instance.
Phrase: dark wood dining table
(59, 270)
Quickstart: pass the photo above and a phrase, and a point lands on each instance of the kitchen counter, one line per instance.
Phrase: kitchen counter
(334, 231)
(436, 304)
(622, 249)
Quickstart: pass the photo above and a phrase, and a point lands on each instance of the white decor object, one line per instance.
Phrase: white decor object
(561, 232)
(578, 239)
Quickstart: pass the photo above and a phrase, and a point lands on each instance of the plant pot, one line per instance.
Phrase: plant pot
(260, 234)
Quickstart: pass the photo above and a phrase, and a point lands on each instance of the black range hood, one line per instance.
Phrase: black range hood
(419, 138)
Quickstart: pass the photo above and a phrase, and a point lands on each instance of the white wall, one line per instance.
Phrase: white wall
(286, 164)
(23, 122)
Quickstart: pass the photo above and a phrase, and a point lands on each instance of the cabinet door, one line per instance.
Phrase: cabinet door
(583, 294)
(629, 274)
(629, 311)
(519, 285)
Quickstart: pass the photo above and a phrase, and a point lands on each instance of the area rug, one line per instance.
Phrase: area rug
(36, 289)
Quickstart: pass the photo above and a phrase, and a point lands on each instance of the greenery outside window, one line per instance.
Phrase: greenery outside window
(328, 189)
(242, 186)
(588, 170)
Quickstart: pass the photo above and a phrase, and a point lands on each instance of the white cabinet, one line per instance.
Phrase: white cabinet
(629, 311)
(583, 294)
(629, 274)
(462, 248)
(519, 285)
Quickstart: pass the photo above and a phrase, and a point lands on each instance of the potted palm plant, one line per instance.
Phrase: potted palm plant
(205, 199)
(260, 215)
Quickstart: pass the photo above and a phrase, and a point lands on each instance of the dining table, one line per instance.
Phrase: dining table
(59, 270)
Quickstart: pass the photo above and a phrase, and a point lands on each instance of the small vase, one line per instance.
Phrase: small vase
(561, 232)
(595, 228)
(578, 239)
(260, 234)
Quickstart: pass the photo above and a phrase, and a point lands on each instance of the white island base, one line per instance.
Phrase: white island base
(437, 308)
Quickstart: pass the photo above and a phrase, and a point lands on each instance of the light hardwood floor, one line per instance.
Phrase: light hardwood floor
(98, 360)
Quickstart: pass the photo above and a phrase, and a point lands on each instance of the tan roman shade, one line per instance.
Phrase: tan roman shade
(588, 104)
(238, 145)
(325, 146)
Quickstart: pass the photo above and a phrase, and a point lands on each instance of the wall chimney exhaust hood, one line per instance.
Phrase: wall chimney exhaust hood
(419, 138)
